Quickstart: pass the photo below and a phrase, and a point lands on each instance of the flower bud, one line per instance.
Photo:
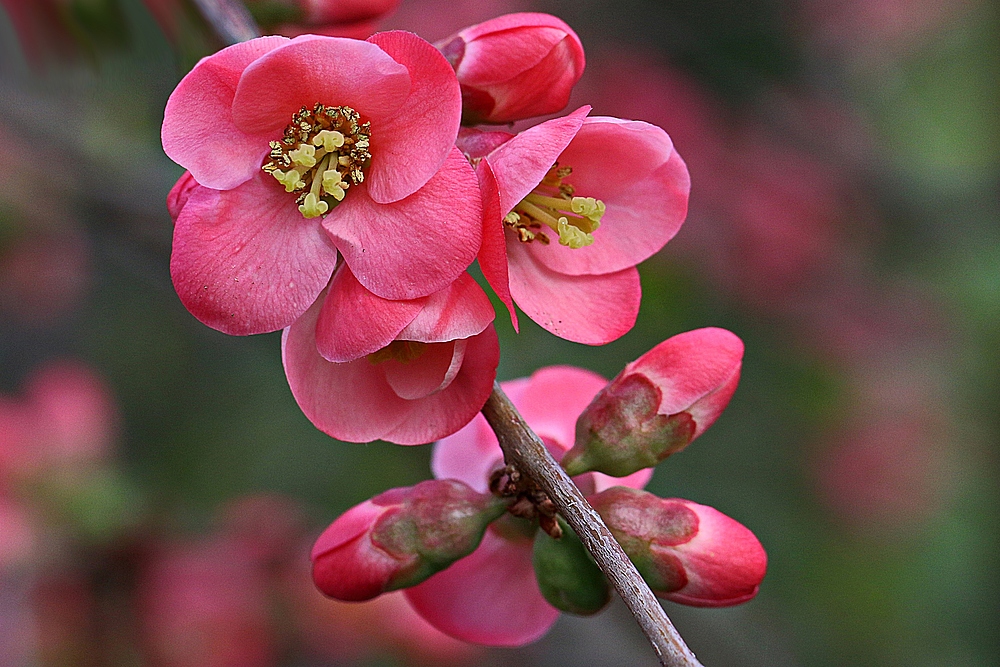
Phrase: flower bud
(687, 553)
(567, 576)
(400, 537)
(658, 404)
(515, 66)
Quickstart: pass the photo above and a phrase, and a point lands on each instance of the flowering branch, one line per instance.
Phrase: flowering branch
(230, 19)
(523, 449)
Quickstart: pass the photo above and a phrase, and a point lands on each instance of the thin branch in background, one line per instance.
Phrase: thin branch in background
(230, 19)
(523, 449)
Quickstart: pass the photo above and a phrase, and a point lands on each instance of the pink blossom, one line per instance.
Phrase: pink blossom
(491, 596)
(570, 206)
(258, 238)
(515, 66)
(362, 367)
(686, 552)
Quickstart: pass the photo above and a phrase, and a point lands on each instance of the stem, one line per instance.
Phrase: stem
(230, 20)
(524, 450)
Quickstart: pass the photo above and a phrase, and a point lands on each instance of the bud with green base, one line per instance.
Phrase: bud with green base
(658, 404)
(400, 538)
(567, 576)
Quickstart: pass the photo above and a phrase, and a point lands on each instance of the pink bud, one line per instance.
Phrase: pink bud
(658, 404)
(400, 537)
(687, 553)
(515, 66)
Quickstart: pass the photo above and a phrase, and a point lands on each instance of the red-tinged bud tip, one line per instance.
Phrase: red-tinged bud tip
(658, 404)
(688, 553)
(399, 538)
(515, 66)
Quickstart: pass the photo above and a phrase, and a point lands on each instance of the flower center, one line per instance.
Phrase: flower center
(552, 203)
(323, 152)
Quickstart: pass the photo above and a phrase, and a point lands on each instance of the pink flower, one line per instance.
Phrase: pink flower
(570, 206)
(491, 596)
(400, 537)
(515, 66)
(362, 367)
(686, 552)
(658, 404)
(308, 147)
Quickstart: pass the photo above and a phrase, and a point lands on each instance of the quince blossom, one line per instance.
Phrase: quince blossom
(364, 368)
(305, 148)
(570, 206)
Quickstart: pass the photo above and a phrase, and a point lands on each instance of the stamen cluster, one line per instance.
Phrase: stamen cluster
(323, 152)
(552, 203)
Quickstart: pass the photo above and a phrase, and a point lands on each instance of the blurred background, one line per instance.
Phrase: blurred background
(159, 488)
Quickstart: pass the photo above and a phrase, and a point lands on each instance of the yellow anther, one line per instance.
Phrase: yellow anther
(334, 185)
(571, 236)
(291, 179)
(588, 207)
(330, 140)
(304, 155)
(313, 206)
(512, 218)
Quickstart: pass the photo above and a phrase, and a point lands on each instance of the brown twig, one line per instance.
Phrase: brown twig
(230, 20)
(523, 449)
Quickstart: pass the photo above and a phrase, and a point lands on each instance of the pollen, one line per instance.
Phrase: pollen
(322, 153)
(553, 204)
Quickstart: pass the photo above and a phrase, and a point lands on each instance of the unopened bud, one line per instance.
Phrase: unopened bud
(688, 553)
(658, 404)
(567, 576)
(514, 67)
(400, 538)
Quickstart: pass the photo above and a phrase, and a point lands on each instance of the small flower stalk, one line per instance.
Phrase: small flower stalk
(687, 553)
(400, 538)
(658, 404)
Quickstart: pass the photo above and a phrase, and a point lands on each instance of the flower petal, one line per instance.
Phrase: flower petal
(310, 69)
(555, 397)
(198, 131)
(460, 310)
(585, 309)
(646, 204)
(489, 597)
(493, 251)
(245, 261)
(353, 322)
(432, 371)
(410, 146)
(418, 245)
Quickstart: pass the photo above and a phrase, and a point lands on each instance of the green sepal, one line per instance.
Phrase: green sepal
(568, 577)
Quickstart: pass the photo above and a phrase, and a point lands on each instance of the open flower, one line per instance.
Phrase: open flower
(362, 367)
(570, 206)
(492, 596)
(308, 147)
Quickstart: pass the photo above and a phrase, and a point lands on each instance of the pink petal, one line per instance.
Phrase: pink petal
(474, 142)
(521, 50)
(198, 130)
(646, 200)
(521, 163)
(493, 252)
(310, 69)
(636, 480)
(410, 146)
(355, 521)
(349, 401)
(418, 245)
(585, 309)
(489, 597)
(432, 371)
(460, 310)
(353, 322)
(555, 398)
(245, 261)
(445, 412)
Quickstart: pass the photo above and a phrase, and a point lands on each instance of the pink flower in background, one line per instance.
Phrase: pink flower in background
(19, 541)
(362, 367)
(308, 147)
(491, 596)
(515, 66)
(570, 206)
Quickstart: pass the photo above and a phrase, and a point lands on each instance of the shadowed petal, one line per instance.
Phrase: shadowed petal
(245, 261)
(493, 252)
(432, 371)
(460, 310)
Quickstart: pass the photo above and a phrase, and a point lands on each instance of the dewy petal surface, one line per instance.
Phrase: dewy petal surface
(198, 130)
(584, 309)
(329, 70)
(245, 262)
(489, 597)
(409, 147)
(418, 245)
(353, 322)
